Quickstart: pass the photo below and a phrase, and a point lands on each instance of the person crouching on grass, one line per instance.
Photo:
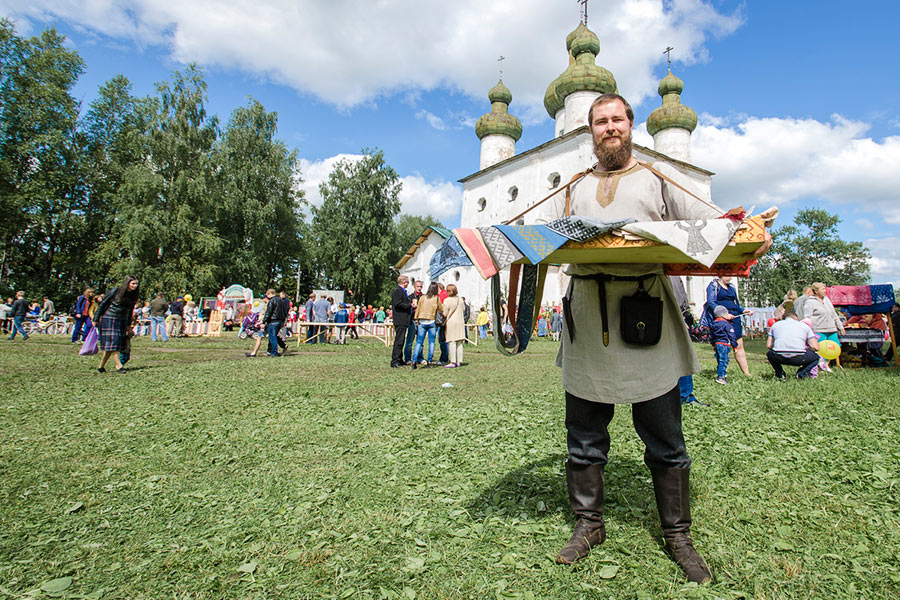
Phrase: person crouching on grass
(723, 339)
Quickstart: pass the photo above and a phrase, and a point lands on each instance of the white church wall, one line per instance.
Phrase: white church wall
(496, 148)
(577, 105)
(674, 142)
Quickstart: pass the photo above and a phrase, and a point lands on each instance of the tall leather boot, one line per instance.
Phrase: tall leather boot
(673, 501)
(586, 499)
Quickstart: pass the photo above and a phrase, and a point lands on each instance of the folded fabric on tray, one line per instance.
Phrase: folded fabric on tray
(535, 242)
(842, 295)
(702, 240)
(582, 229)
(472, 242)
(449, 255)
(502, 250)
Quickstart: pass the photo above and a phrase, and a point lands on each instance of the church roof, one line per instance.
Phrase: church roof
(672, 113)
(499, 121)
(583, 75)
(441, 231)
(583, 130)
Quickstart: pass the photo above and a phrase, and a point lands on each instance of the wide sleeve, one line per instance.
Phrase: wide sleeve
(104, 305)
(679, 204)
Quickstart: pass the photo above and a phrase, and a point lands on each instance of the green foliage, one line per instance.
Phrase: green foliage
(354, 227)
(258, 211)
(202, 474)
(809, 250)
(41, 151)
(408, 228)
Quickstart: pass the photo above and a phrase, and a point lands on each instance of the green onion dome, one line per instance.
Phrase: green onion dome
(499, 121)
(583, 75)
(672, 113)
(552, 102)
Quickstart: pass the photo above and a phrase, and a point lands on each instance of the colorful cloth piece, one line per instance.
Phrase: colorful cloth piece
(449, 255)
(715, 270)
(473, 244)
(862, 299)
(535, 242)
(702, 240)
(841, 295)
(501, 249)
(582, 229)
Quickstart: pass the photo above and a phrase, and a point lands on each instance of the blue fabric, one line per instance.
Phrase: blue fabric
(158, 328)
(686, 387)
(833, 336)
(449, 255)
(882, 301)
(723, 331)
(425, 328)
(17, 327)
(82, 327)
(582, 229)
(272, 333)
(535, 242)
(723, 355)
(716, 295)
(482, 332)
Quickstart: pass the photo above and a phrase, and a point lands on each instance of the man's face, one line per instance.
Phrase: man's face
(404, 282)
(418, 287)
(611, 131)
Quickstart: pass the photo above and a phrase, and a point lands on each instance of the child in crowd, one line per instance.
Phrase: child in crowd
(723, 339)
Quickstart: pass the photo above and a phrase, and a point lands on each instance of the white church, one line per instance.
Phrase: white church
(507, 183)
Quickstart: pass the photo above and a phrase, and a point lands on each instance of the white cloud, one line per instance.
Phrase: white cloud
(348, 53)
(885, 261)
(440, 199)
(433, 120)
(865, 224)
(418, 196)
(763, 161)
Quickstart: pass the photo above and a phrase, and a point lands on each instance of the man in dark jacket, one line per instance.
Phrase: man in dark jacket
(401, 310)
(273, 320)
(17, 312)
(176, 310)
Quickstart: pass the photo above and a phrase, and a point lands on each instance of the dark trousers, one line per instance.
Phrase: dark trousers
(656, 421)
(82, 327)
(312, 334)
(400, 330)
(442, 344)
(806, 361)
(272, 330)
(411, 332)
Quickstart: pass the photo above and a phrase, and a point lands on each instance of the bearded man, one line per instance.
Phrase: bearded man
(600, 369)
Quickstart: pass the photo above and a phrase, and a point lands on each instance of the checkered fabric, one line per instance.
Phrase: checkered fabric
(582, 229)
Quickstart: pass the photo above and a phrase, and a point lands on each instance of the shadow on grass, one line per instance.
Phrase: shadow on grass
(538, 489)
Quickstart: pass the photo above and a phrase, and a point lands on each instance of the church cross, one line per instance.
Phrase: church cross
(668, 53)
(583, 4)
(500, 60)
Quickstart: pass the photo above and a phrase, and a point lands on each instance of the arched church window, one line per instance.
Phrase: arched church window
(513, 193)
(456, 275)
(554, 180)
(481, 204)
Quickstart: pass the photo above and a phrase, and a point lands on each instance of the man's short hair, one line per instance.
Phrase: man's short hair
(270, 291)
(791, 314)
(807, 290)
(720, 311)
(20, 294)
(603, 99)
(401, 279)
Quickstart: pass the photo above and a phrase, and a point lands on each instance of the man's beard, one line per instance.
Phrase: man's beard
(613, 158)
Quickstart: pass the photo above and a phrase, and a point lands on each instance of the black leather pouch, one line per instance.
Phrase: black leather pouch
(641, 318)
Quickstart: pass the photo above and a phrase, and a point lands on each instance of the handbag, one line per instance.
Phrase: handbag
(641, 318)
(439, 319)
(90, 343)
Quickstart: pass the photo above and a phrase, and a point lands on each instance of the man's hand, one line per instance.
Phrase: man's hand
(767, 243)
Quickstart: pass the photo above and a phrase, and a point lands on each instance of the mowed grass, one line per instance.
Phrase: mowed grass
(326, 474)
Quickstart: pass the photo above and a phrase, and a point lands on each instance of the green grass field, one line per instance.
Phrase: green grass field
(326, 474)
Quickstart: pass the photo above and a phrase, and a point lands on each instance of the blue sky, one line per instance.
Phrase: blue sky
(798, 101)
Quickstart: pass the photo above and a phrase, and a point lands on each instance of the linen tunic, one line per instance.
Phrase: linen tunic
(621, 373)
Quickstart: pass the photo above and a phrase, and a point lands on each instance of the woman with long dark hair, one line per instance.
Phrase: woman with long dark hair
(113, 320)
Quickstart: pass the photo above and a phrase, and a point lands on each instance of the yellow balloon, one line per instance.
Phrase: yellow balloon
(188, 297)
(829, 349)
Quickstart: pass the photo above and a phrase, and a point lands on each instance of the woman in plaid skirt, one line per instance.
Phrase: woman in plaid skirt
(113, 320)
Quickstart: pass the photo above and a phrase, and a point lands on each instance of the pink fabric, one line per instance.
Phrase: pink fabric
(842, 295)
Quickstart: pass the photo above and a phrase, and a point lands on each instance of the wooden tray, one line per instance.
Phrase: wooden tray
(609, 248)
